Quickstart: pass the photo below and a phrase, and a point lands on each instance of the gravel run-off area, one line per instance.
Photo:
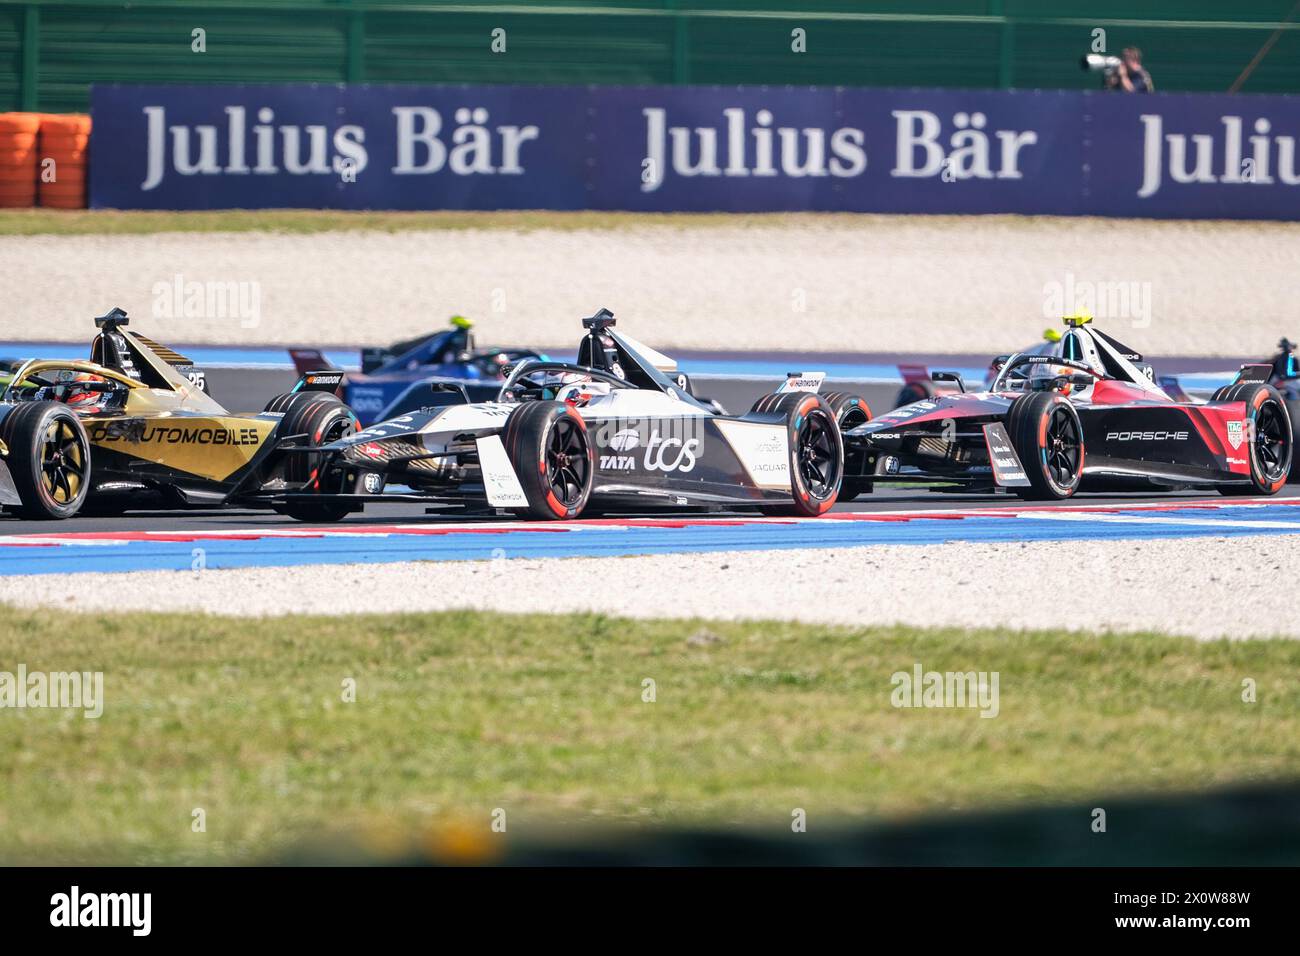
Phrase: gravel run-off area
(928, 284)
(1202, 587)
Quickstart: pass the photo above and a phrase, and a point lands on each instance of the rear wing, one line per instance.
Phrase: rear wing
(914, 373)
(324, 380)
(1174, 389)
(1253, 373)
(802, 382)
(306, 361)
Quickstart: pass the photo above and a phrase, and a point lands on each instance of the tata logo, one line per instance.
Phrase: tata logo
(625, 440)
(671, 454)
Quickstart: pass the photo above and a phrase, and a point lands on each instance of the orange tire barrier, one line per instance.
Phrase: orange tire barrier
(64, 139)
(65, 142)
(18, 159)
(20, 122)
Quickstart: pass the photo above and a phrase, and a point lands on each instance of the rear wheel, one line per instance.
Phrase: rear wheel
(1048, 438)
(49, 458)
(1293, 414)
(553, 456)
(816, 454)
(851, 411)
(323, 419)
(1268, 434)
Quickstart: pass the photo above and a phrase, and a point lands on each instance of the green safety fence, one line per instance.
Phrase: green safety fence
(52, 50)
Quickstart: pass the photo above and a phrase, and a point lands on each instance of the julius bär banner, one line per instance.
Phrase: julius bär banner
(745, 149)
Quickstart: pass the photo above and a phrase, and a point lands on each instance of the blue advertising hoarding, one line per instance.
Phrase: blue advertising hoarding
(747, 149)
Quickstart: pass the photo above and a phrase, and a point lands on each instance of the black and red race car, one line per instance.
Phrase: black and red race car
(1089, 417)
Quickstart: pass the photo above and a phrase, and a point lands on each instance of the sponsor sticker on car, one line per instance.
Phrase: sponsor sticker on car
(1007, 469)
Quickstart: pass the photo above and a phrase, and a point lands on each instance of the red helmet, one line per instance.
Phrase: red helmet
(84, 397)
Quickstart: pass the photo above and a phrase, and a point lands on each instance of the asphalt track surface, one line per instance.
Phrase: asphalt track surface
(888, 499)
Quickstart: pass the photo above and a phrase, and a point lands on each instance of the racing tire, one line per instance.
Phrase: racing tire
(1047, 436)
(553, 457)
(767, 402)
(1293, 413)
(816, 454)
(850, 411)
(913, 392)
(1270, 437)
(49, 459)
(323, 418)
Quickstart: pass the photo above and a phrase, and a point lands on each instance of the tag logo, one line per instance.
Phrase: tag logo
(1235, 434)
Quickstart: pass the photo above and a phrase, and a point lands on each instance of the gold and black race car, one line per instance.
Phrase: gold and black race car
(131, 429)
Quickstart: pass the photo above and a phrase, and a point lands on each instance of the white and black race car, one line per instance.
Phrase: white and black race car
(609, 432)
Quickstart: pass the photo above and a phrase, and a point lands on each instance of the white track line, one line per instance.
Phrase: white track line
(1145, 519)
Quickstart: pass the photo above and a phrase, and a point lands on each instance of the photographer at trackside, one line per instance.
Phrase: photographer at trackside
(1131, 76)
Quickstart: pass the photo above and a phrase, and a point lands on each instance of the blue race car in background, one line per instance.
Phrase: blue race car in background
(411, 375)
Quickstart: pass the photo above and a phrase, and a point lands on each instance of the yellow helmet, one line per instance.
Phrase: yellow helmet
(1074, 321)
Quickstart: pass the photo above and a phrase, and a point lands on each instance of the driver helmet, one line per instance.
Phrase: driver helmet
(80, 398)
(1047, 371)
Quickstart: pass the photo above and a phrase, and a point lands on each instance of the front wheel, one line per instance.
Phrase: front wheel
(553, 456)
(816, 455)
(1048, 438)
(851, 411)
(49, 459)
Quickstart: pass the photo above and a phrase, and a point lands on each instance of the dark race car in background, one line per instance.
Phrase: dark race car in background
(397, 379)
(609, 432)
(1089, 418)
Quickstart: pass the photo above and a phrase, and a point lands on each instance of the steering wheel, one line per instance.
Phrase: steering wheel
(1015, 374)
(528, 382)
